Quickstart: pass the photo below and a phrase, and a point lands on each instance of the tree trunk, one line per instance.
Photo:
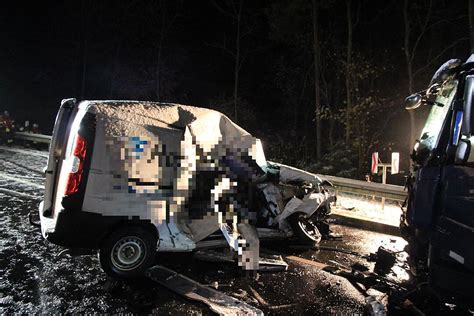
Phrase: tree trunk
(84, 69)
(471, 24)
(84, 49)
(158, 73)
(331, 132)
(348, 70)
(409, 61)
(237, 60)
(317, 92)
(361, 133)
(336, 97)
(160, 47)
(115, 69)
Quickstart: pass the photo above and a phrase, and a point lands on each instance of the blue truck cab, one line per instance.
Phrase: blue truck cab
(438, 217)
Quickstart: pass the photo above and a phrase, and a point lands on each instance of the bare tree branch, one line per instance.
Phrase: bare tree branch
(222, 10)
(422, 31)
(429, 63)
(357, 18)
(441, 21)
(396, 110)
(224, 48)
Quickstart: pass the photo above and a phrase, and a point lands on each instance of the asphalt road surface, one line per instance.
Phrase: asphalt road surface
(36, 278)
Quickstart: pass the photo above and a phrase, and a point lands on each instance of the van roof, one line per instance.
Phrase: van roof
(123, 117)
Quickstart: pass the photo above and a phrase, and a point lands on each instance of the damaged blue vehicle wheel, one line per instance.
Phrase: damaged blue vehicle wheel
(127, 252)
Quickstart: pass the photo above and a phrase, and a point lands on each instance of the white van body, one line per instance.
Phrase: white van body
(180, 171)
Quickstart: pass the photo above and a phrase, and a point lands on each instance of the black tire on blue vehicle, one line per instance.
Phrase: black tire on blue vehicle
(128, 252)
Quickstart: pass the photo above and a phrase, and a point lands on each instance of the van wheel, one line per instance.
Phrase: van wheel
(304, 229)
(127, 253)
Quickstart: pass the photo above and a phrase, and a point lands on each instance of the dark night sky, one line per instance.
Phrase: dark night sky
(46, 47)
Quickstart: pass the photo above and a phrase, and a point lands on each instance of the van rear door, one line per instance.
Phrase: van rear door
(57, 149)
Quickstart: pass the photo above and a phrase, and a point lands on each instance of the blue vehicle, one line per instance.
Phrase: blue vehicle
(438, 217)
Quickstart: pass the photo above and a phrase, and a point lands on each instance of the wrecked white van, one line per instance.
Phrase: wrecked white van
(132, 178)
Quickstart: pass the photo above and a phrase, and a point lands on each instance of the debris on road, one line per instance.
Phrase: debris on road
(385, 260)
(264, 303)
(361, 280)
(218, 302)
(411, 308)
(273, 263)
(316, 264)
(216, 285)
(209, 255)
(267, 263)
(374, 307)
(245, 296)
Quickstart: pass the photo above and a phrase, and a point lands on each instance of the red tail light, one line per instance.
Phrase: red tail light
(75, 176)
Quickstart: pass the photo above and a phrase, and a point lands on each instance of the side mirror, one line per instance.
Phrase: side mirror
(468, 119)
(413, 101)
(462, 152)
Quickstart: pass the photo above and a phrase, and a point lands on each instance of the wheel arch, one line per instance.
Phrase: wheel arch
(143, 224)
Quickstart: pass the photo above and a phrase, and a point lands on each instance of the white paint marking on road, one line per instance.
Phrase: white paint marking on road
(26, 182)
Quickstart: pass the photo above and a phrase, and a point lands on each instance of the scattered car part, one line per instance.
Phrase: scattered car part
(218, 302)
(264, 303)
(411, 308)
(313, 263)
(267, 263)
(342, 250)
(209, 255)
(385, 260)
(375, 307)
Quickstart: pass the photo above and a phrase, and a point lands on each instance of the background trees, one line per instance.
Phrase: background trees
(320, 82)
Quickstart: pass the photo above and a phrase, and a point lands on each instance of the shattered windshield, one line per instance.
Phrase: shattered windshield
(434, 123)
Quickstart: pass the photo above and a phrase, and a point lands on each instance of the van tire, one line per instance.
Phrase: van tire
(304, 229)
(127, 252)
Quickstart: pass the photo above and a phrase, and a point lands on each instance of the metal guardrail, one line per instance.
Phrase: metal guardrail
(39, 138)
(389, 191)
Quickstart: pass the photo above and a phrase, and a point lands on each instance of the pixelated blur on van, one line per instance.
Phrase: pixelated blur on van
(130, 178)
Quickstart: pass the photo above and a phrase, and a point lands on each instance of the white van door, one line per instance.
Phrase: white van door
(57, 149)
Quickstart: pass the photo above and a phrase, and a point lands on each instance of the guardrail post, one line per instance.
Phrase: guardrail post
(384, 181)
